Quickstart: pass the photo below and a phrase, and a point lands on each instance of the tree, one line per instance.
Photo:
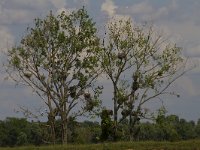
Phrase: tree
(197, 128)
(22, 139)
(168, 126)
(35, 134)
(141, 66)
(58, 60)
(106, 124)
(13, 131)
(187, 129)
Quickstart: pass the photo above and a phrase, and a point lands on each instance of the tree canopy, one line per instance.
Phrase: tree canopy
(141, 64)
(58, 60)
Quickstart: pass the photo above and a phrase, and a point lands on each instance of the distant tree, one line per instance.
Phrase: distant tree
(141, 66)
(35, 136)
(58, 60)
(149, 131)
(186, 129)
(3, 133)
(168, 126)
(72, 126)
(197, 128)
(22, 139)
(13, 131)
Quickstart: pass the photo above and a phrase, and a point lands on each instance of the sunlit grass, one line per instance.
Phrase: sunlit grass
(150, 145)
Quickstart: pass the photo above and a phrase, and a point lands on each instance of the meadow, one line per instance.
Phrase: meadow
(149, 145)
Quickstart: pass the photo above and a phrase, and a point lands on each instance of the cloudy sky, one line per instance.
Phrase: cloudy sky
(178, 19)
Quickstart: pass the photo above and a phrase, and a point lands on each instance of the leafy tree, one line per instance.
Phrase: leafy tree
(149, 131)
(13, 131)
(93, 128)
(22, 139)
(35, 134)
(168, 126)
(3, 133)
(106, 124)
(186, 129)
(58, 60)
(197, 128)
(72, 125)
(141, 66)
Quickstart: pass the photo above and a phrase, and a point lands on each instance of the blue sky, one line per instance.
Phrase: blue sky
(177, 19)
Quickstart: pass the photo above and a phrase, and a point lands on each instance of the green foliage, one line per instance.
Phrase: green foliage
(19, 132)
(106, 125)
(36, 137)
(14, 131)
(58, 59)
(197, 129)
(22, 139)
(187, 129)
(139, 56)
(83, 136)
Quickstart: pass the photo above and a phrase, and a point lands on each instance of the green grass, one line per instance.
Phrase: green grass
(183, 145)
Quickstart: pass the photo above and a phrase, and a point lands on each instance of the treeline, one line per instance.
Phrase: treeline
(19, 131)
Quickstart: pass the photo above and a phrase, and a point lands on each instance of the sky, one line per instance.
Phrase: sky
(177, 19)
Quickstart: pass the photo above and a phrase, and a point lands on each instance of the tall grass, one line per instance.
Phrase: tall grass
(149, 145)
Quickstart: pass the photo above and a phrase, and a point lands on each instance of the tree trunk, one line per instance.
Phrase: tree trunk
(64, 129)
(131, 119)
(115, 116)
(53, 133)
(51, 119)
(133, 131)
(130, 128)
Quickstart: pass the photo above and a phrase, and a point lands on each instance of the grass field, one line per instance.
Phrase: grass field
(183, 145)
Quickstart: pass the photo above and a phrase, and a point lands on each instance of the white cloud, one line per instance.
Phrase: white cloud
(86, 2)
(58, 4)
(83, 2)
(156, 14)
(66, 10)
(28, 4)
(109, 7)
(143, 7)
(163, 11)
(187, 29)
(194, 51)
(193, 66)
(21, 11)
(188, 86)
(24, 11)
(16, 16)
(147, 12)
(117, 17)
(189, 35)
(7, 39)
